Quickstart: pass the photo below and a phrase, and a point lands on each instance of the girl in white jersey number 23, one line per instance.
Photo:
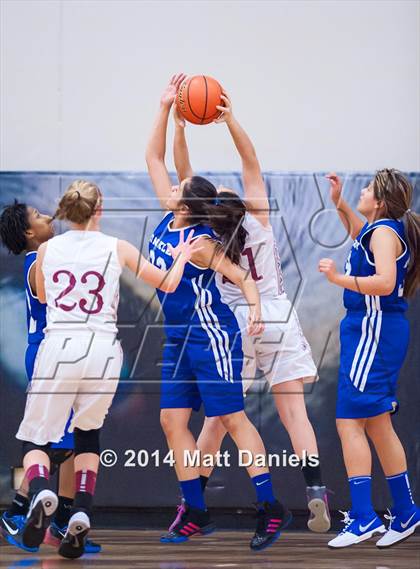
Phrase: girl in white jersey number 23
(79, 361)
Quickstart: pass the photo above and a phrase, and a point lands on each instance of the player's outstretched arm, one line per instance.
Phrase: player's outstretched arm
(181, 155)
(349, 219)
(385, 247)
(156, 147)
(167, 281)
(254, 186)
(39, 275)
(209, 256)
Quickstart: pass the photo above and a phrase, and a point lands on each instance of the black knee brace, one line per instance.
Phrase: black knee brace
(86, 441)
(27, 446)
(60, 455)
(57, 457)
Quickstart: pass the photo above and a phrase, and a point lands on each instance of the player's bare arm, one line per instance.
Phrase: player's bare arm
(386, 247)
(156, 148)
(254, 186)
(208, 256)
(181, 155)
(167, 281)
(348, 217)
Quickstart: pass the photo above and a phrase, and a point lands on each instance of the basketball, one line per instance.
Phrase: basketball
(197, 98)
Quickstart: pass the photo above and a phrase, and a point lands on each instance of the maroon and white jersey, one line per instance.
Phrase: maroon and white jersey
(261, 259)
(82, 272)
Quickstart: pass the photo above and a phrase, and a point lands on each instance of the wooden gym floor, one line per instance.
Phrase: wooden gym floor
(137, 549)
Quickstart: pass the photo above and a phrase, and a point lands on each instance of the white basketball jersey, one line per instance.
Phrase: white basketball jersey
(261, 259)
(82, 272)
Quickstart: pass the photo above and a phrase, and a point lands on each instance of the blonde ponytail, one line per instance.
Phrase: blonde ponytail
(79, 202)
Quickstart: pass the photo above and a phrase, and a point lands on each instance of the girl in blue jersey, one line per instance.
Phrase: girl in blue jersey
(382, 270)
(202, 358)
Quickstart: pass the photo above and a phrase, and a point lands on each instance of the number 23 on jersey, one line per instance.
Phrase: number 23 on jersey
(96, 301)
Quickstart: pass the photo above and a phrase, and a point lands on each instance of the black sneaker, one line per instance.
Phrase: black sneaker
(271, 518)
(55, 534)
(73, 543)
(192, 522)
(42, 508)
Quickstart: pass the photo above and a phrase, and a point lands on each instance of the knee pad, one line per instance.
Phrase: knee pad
(27, 446)
(86, 441)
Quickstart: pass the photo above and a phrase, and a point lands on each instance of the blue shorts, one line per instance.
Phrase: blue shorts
(198, 370)
(67, 441)
(373, 350)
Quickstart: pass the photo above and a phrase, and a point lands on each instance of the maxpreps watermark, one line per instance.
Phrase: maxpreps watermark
(196, 459)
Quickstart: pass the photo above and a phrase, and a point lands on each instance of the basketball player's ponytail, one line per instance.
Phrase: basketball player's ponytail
(79, 202)
(223, 212)
(411, 222)
(396, 193)
(226, 216)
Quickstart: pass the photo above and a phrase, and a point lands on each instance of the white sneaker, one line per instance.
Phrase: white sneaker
(357, 530)
(400, 527)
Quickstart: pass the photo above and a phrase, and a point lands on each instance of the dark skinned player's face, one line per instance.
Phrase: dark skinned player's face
(40, 226)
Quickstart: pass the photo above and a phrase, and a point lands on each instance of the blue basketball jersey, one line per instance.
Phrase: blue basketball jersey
(197, 299)
(36, 318)
(36, 313)
(361, 263)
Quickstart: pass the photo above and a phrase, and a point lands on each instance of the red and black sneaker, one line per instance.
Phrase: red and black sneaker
(192, 522)
(271, 518)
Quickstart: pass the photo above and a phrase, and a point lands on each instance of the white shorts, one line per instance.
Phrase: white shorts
(282, 352)
(73, 371)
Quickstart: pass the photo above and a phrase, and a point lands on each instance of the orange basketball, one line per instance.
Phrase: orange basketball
(197, 98)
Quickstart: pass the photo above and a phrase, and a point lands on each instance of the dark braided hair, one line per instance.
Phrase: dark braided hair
(14, 224)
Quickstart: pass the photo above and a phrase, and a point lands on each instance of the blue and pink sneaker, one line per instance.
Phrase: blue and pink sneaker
(180, 510)
(11, 529)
